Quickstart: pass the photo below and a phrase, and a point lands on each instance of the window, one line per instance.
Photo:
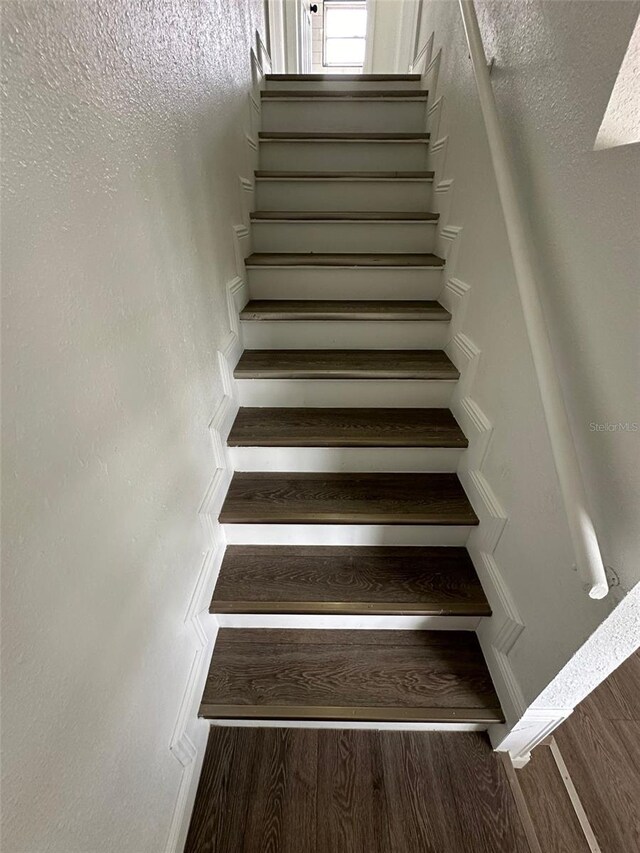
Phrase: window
(345, 26)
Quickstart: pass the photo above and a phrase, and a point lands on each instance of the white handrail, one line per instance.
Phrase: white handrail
(585, 543)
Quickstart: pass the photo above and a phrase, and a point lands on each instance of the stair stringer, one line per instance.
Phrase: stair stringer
(525, 727)
(189, 738)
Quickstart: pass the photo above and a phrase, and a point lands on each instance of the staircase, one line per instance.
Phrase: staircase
(346, 594)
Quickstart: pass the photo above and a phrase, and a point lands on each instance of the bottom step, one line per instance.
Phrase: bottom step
(327, 675)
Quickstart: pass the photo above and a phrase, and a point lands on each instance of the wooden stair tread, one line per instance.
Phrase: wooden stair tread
(279, 175)
(337, 309)
(343, 215)
(343, 259)
(346, 498)
(345, 364)
(325, 136)
(354, 427)
(344, 94)
(368, 580)
(326, 674)
(366, 78)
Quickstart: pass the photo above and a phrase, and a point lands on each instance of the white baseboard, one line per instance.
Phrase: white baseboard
(346, 724)
(532, 728)
(351, 623)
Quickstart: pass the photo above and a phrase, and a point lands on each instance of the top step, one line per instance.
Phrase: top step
(344, 94)
(342, 81)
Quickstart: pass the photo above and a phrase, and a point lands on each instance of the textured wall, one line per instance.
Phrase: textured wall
(123, 140)
(555, 65)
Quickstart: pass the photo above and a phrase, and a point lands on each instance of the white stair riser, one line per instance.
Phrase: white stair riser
(353, 623)
(340, 84)
(344, 283)
(344, 334)
(361, 393)
(346, 534)
(343, 156)
(349, 724)
(372, 459)
(345, 194)
(344, 236)
(344, 116)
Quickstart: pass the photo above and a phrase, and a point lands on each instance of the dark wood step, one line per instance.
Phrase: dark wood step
(277, 175)
(378, 580)
(343, 259)
(323, 136)
(344, 94)
(339, 309)
(365, 78)
(345, 364)
(343, 215)
(346, 498)
(419, 676)
(354, 427)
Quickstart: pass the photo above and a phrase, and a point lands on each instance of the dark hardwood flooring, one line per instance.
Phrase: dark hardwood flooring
(306, 579)
(345, 364)
(600, 744)
(341, 309)
(552, 814)
(343, 259)
(346, 498)
(300, 427)
(341, 674)
(337, 791)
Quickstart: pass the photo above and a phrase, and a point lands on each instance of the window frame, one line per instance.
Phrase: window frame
(341, 4)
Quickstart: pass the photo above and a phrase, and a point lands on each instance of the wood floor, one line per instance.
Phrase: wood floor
(331, 791)
(600, 743)
(600, 747)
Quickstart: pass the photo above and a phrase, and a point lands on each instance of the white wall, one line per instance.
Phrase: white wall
(383, 32)
(555, 65)
(123, 140)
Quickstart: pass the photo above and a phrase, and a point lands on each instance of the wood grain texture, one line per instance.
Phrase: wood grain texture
(271, 175)
(350, 794)
(324, 136)
(342, 309)
(492, 794)
(341, 259)
(343, 215)
(346, 498)
(556, 825)
(224, 791)
(344, 94)
(300, 427)
(600, 744)
(435, 580)
(345, 364)
(327, 791)
(282, 812)
(390, 670)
